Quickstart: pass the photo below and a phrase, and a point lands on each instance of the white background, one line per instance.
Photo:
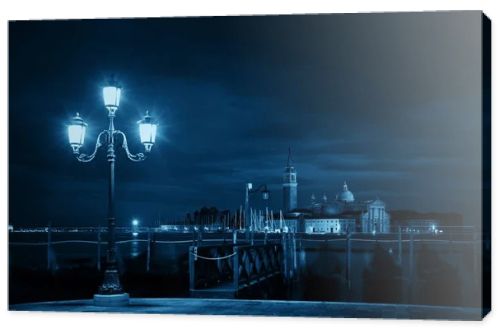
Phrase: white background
(12, 322)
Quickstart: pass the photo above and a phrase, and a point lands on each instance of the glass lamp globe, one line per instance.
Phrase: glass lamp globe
(147, 131)
(76, 133)
(111, 96)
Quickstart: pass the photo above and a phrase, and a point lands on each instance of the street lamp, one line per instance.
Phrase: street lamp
(110, 291)
(76, 132)
(111, 95)
(147, 132)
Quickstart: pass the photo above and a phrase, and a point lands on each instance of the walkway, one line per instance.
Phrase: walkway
(261, 308)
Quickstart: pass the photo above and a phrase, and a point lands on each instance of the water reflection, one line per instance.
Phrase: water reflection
(135, 246)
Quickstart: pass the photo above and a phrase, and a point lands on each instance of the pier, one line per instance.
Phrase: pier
(230, 271)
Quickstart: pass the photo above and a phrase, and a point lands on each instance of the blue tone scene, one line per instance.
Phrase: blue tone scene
(295, 165)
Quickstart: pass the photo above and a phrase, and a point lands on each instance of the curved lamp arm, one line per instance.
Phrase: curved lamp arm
(82, 157)
(132, 157)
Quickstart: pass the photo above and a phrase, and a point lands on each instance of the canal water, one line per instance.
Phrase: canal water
(392, 268)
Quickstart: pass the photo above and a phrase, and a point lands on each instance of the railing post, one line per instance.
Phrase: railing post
(194, 236)
(400, 247)
(99, 248)
(235, 237)
(200, 237)
(148, 257)
(192, 274)
(236, 268)
(49, 245)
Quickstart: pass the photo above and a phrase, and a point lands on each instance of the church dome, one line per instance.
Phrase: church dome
(345, 195)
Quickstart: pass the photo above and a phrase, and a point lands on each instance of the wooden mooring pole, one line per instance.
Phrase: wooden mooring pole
(236, 269)
(400, 247)
(99, 248)
(192, 275)
(294, 244)
(285, 255)
(148, 254)
(49, 246)
(411, 269)
(348, 260)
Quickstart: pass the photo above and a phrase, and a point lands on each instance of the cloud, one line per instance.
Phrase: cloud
(388, 102)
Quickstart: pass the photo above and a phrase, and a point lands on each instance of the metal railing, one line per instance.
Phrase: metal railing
(233, 266)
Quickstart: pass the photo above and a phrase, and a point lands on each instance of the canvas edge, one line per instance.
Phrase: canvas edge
(486, 165)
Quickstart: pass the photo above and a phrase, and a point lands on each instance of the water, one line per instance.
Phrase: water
(443, 270)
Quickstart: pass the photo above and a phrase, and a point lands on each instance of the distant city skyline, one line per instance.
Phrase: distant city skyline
(392, 110)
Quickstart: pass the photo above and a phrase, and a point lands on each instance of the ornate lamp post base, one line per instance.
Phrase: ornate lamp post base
(120, 299)
(111, 292)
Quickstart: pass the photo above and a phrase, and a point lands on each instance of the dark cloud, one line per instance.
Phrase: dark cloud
(389, 102)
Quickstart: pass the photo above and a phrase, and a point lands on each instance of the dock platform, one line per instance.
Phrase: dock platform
(260, 308)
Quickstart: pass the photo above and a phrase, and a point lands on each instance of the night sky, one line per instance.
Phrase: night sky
(389, 102)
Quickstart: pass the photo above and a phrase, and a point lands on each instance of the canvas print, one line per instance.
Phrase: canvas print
(283, 165)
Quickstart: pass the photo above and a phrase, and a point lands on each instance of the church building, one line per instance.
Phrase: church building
(342, 215)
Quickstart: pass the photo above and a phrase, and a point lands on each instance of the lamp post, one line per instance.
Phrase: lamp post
(110, 291)
(250, 190)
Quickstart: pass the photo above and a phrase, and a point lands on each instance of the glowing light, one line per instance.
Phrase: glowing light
(135, 222)
(135, 234)
(111, 95)
(147, 132)
(76, 132)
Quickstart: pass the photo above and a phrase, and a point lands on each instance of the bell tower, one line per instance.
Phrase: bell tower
(289, 185)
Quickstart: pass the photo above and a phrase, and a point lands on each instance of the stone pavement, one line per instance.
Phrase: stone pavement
(261, 308)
